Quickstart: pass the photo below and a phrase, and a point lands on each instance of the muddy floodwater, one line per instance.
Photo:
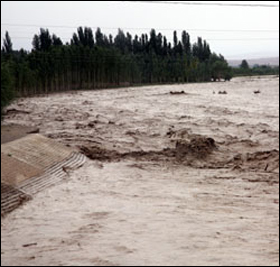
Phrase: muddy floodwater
(177, 175)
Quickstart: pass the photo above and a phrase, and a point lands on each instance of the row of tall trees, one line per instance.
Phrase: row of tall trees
(7, 91)
(94, 60)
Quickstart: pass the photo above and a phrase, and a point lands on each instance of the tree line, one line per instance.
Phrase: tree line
(94, 60)
(245, 70)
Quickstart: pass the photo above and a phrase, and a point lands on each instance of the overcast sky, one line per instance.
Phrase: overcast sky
(249, 32)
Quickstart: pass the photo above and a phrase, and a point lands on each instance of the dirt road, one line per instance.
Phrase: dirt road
(175, 179)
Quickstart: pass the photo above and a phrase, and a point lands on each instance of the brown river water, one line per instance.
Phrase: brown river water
(185, 178)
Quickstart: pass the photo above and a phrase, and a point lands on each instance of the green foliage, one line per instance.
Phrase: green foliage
(7, 93)
(7, 44)
(245, 70)
(244, 65)
(265, 70)
(93, 60)
(219, 68)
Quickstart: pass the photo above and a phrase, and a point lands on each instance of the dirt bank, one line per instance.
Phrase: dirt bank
(174, 179)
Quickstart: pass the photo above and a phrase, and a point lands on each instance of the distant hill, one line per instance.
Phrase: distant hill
(272, 61)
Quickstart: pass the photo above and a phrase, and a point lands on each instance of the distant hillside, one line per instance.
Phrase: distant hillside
(272, 61)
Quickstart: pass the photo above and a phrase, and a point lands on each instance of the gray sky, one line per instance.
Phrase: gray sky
(234, 42)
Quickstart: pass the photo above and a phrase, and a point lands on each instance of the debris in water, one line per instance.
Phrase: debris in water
(29, 245)
(199, 147)
(222, 93)
(177, 93)
(34, 131)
